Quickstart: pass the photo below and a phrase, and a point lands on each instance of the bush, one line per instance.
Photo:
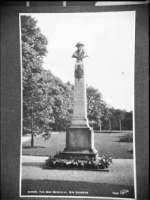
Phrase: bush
(128, 137)
(131, 150)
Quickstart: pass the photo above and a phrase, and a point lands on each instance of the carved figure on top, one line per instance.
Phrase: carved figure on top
(80, 53)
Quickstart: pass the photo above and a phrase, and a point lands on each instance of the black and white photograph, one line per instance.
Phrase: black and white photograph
(77, 104)
(74, 106)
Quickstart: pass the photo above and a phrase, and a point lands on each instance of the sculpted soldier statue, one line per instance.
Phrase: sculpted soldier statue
(80, 53)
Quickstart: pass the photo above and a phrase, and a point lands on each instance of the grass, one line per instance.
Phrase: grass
(58, 183)
(73, 188)
(106, 144)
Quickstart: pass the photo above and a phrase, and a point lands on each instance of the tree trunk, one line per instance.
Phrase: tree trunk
(110, 125)
(32, 140)
(32, 135)
(120, 124)
(100, 127)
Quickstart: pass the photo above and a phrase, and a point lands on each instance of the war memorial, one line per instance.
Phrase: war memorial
(79, 151)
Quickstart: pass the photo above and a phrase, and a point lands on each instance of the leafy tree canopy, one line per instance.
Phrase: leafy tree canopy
(95, 104)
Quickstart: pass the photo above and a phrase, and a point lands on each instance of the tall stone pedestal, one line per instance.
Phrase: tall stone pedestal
(80, 143)
(80, 136)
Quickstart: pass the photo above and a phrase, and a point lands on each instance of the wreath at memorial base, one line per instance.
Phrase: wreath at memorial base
(102, 163)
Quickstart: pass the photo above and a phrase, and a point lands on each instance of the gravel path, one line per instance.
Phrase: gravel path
(121, 172)
(26, 138)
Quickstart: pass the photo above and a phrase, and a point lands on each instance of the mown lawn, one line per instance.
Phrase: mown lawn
(105, 143)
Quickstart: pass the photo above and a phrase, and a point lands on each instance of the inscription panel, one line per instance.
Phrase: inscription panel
(79, 139)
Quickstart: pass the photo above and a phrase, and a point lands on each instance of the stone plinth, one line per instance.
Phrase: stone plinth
(80, 143)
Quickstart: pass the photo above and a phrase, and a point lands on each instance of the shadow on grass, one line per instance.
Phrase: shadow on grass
(34, 164)
(29, 147)
(123, 141)
(112, 156)
(130, 151)
(63, 188)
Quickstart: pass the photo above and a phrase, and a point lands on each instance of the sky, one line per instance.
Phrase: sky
(109, 40)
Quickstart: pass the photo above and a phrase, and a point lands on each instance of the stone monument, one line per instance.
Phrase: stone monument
(80, 136)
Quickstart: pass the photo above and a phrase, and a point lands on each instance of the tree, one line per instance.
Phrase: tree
(117, 119)
(63, 106)
(95, 104)
(46, 99)
(127, 122)
(33, 50)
